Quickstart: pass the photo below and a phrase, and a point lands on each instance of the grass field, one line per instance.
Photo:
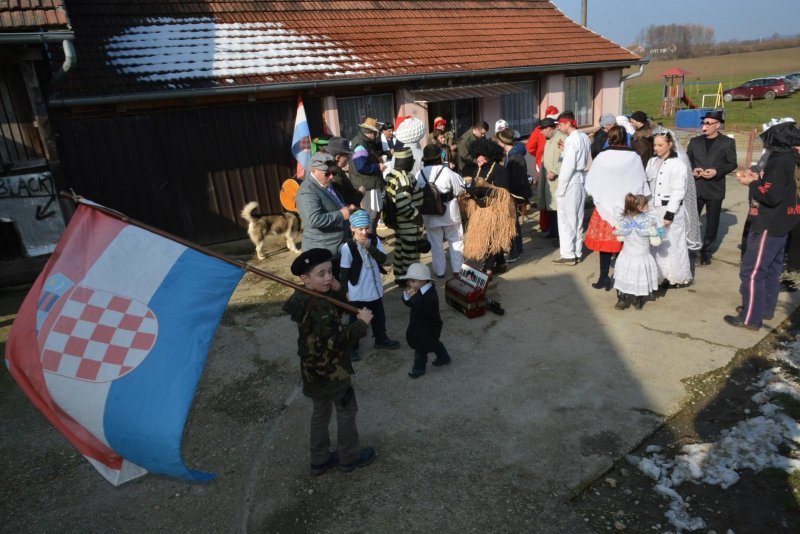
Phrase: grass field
(646, 93)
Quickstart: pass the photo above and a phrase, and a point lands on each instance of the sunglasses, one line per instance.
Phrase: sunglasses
(710, 123)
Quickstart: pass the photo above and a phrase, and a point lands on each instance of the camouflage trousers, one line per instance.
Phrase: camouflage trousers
(320, 440)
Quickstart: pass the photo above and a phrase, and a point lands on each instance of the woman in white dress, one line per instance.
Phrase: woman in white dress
(669, 175)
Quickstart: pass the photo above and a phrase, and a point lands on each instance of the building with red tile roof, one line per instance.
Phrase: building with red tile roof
(227, 71)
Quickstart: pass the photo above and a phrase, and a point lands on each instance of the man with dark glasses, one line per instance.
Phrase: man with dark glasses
(712, 156)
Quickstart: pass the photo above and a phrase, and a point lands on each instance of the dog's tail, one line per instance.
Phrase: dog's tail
(247, 211)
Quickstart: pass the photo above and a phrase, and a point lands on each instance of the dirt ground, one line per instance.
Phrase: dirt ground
(244, 416)
(623, 499)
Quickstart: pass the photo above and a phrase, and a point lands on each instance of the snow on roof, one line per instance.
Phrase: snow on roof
(168, 49)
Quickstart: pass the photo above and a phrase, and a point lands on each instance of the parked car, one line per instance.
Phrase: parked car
(768, 88)
(794, 77)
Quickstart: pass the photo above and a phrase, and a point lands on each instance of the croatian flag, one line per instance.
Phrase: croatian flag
(301, 141)
(111, 340)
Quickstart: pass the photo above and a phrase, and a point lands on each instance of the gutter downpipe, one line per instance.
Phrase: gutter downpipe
(625, 79)
(70, 59)
(268, 88)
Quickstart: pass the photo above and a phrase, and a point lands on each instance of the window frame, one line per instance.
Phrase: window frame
(584, 116)
(365, 108)
(528, 118)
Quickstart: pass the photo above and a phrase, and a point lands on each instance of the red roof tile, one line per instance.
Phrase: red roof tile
(126, 46)
(27, 15)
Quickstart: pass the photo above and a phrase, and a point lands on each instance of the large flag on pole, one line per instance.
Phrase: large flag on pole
(301, 141)
(111, 340)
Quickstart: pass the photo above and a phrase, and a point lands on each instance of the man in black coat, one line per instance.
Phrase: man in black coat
(712, 156)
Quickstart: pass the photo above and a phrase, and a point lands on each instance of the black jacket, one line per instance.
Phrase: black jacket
(518, 176)
(773, 197)
(598, 142)
(425, 325)
(721, 157)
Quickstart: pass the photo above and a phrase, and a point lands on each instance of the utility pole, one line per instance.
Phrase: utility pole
(583, 13)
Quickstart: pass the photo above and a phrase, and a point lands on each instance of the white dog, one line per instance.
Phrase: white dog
(259, 226)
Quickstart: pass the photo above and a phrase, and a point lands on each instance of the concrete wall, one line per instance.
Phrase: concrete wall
(607, 93)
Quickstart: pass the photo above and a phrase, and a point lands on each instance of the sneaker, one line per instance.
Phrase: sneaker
(333, 461)
(438, 363)
(386, 343)
(565, 261)
(415, 373)
(365, 457)
(512, 258)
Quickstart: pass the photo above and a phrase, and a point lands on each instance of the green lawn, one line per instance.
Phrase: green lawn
(645, 93)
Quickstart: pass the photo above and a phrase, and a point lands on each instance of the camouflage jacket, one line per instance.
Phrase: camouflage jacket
(322, 343)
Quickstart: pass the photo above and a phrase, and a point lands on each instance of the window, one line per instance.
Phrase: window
(519, 108)
(579, 97)
(353, 111)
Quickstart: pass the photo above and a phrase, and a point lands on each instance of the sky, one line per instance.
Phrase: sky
(621, 20)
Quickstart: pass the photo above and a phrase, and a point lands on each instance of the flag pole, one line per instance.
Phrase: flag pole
(242, 265)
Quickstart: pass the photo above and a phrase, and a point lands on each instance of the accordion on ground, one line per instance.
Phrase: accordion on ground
(467, 293)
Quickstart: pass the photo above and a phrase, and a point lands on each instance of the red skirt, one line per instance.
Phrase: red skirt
(600, 236)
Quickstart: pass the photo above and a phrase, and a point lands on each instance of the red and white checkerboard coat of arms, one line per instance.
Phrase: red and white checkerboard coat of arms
(90, 334)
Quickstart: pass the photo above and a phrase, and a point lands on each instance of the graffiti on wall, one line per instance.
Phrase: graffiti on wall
(29, 202)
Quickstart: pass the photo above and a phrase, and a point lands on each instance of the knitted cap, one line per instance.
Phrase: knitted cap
(359, 219)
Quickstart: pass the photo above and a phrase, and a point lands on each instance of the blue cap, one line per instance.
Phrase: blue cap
(359, 219)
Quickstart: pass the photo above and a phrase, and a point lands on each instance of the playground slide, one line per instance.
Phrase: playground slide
(688, 101)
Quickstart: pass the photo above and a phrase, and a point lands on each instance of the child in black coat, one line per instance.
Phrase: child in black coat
(425, 325)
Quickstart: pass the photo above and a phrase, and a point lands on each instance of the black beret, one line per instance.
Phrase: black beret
(310, 259)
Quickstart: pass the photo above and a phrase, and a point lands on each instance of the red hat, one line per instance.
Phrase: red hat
(551, 112)
(439, 120)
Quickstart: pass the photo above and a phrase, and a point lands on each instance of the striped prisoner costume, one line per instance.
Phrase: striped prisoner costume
(407, 196)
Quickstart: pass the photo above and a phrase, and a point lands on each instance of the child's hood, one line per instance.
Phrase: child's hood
(296, 305)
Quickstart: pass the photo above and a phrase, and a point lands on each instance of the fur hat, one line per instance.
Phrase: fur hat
(371, 124)
(310, 259)
(416, 271)
(359, 219)
(486, 148)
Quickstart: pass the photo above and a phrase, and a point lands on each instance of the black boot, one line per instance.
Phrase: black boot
(638, 302)
(623, 301)
(604, 282)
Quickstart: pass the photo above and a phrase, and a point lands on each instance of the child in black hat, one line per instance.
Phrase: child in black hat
(322, 345)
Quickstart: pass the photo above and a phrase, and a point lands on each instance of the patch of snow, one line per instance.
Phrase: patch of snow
(167, 48)
(751, 444)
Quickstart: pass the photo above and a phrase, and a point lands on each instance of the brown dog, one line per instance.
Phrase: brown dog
(259, 226)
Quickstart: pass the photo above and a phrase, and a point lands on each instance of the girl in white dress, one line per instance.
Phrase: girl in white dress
(669, 176)
(636, 272)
